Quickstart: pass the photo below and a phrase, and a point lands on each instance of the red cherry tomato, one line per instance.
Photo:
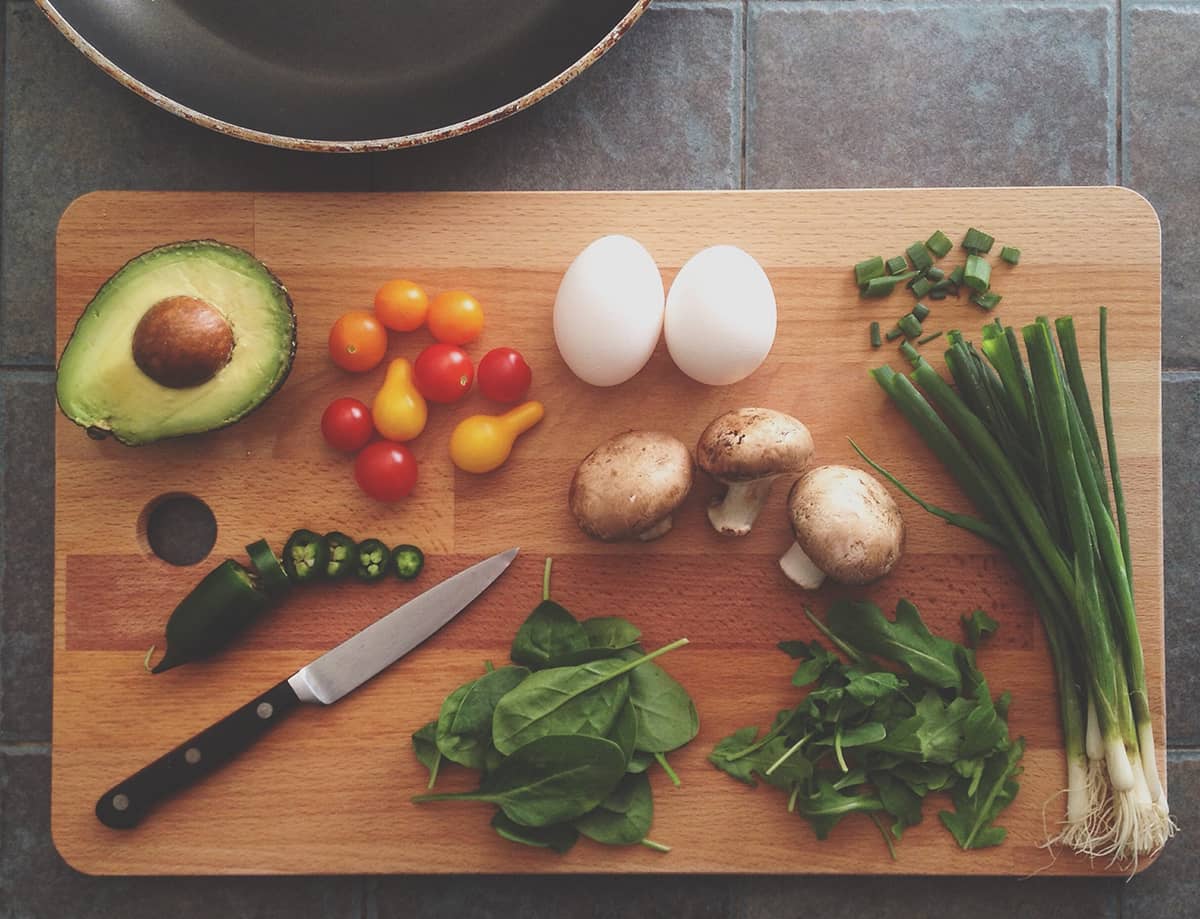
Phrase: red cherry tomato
(504, 376)
(346, 425)
(443, 373)
(385, 470)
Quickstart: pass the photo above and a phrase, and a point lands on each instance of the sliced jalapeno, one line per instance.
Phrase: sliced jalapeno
(342, 555)
(407, 562)
(218, 608)
(373, 560)
(274, 579)
(305, 556)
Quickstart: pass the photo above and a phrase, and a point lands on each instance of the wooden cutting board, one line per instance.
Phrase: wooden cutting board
(329, 791)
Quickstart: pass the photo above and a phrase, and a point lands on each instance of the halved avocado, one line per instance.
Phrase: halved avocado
(185, 338)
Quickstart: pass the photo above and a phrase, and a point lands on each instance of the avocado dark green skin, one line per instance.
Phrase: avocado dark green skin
(97, 433)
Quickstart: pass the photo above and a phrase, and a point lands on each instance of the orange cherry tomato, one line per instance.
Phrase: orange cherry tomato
(455, 317)
(357, 342)
(401, 306)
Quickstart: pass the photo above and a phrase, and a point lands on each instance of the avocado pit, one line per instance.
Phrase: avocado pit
(182, 342)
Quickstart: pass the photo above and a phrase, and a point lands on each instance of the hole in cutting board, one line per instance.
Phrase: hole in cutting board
(179, 528)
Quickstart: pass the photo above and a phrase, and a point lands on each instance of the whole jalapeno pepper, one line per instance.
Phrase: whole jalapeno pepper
(373, 560)
(305, 556)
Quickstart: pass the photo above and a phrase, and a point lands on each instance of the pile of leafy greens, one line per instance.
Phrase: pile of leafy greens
(564, 737)
(905, 714)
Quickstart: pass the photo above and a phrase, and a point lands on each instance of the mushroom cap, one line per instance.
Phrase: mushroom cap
(752, 443)
(628, 484)
(847, 523)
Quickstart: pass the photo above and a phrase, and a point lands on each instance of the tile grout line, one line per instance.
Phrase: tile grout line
(745, 87)
(1118, 110)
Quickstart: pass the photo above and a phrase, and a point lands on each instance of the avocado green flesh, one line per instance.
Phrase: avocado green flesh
(101, 387)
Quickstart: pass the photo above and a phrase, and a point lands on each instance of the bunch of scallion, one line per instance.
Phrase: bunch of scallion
(1020, 438)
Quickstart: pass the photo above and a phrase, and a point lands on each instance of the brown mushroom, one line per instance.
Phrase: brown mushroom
(746, 450)
(847, 527)
(628, 486)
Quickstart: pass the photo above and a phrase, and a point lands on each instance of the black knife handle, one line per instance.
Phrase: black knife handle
(124, 805)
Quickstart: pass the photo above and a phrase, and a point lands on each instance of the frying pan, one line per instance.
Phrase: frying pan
(343, 75)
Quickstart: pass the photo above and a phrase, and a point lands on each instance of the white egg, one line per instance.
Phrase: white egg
(608, 314)
(720, 318)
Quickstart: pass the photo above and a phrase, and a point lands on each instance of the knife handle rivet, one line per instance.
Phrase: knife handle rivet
(265, 710)
(120, 803)
(191, 756)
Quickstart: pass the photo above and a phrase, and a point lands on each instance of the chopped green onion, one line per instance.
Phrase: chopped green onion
(939, 243)
(909, 352)
(893, 333)
(910, 325)
(920, 257)
(884, 284)
(977, 273)
(938, 295)
(1010, 254)
(988, 301)
(930, 337)
(866, 270)
(876, 338)
(921, 287)
(935, 274)
(955, 277)
(977, 242)
(921, 311)
(897, 265)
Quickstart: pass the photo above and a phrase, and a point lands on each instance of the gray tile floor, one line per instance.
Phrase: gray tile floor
(717, 94)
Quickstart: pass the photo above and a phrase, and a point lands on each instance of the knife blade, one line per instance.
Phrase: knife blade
(330, 677)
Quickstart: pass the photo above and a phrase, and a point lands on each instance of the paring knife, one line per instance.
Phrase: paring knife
(331, 676)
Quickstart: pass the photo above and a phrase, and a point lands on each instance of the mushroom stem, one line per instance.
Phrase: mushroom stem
(800, 569)
(659, 529)
(734, 514)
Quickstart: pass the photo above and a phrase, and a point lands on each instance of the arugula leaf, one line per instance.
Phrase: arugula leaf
(971, 822)
(747, 768)
(549, 632)
(424, 744)
(869, 687)
(815, 660)
(825, 807)
(979, 626)
(559, 836)
(905, 641)
(899, 800)
(464, 725)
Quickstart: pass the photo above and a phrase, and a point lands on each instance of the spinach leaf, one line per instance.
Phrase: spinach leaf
(549, 632)
(666, 715)
(464, 726)
(626, 823)
(558, 836)
(610, 632)
(624, 731)
(971, 822)
(639, 762)
(979, 626)
(424, 743)
(906, 641)
(566, 700)
(549, 780)
(492, 759)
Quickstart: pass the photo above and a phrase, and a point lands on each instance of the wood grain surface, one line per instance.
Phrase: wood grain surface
(329, 791)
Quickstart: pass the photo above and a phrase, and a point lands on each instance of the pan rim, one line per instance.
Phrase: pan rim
(367, 145)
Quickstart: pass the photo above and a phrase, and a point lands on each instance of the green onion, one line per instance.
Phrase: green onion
(908, 351)
(910, 325)
(921, 311)
(893, 333)
(884, 284)
(988, 301)
(977, 242)
(1010, 254)
(920, 257)
(930, 337)
(896, 265)
(939, 243)
(876, 339)
(977, 273)
(955, 277)
(935, 274)
(921, 287)
(938, 294)
(866, 270)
